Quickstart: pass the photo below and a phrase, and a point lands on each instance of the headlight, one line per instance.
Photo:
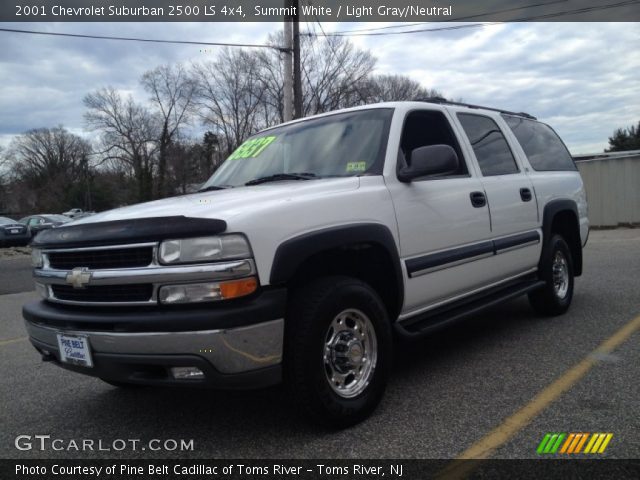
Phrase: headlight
(204, 249)
(36, 258)
(207, 292)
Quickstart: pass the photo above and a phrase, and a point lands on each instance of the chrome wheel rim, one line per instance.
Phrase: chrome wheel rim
(560, 275)
(350, 353)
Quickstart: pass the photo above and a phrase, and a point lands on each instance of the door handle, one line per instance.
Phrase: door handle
(478, 199)
(525, 194)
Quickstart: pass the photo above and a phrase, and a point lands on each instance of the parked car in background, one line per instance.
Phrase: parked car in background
(74, 212)
(36, 223)
(13, 233)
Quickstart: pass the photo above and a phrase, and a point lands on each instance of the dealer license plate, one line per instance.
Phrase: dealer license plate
(75, 349)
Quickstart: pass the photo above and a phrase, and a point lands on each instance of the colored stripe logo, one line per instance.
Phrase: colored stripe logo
(571, 443)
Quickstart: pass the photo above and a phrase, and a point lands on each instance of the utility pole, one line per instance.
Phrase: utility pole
(297, 79)
(288, 67)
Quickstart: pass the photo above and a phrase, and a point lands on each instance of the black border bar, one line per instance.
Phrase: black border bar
(323, 10)
(310, 469)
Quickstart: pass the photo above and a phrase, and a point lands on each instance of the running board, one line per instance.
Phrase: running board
(446, 315)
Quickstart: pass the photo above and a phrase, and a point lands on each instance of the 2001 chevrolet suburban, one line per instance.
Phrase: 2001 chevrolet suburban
(311, 246)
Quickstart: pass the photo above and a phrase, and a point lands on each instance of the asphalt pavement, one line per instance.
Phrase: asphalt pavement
(447, 393)
(15, 275)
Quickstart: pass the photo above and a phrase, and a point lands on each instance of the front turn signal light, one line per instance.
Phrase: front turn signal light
(238, 288)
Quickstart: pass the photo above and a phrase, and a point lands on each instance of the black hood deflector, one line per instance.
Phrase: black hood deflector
(137, 230)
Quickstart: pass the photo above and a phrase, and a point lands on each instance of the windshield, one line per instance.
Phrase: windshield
(6, 221)
(341, 145)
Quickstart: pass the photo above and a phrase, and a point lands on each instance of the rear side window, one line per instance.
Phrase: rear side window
(491, 149)
(541, 144)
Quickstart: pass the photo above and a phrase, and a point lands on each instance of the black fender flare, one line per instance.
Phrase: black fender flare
(293, 252)
(551, 209)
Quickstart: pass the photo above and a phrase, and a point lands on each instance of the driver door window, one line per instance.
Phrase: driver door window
(425, 128)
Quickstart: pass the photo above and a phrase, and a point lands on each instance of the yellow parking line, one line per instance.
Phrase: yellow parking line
(12, 340)
(484, 447)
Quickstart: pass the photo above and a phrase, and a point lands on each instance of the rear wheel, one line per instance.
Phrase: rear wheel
(556, 269)
(338, 350)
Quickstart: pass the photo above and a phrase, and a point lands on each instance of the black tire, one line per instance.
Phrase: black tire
(313, 311)
(554, 299)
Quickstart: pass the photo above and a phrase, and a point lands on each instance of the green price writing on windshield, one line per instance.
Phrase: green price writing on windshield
(252, 148)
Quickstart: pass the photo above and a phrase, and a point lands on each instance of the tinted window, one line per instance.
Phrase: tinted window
(489, 145)
(541, 144)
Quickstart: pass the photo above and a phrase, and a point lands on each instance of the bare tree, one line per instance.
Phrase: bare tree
(53, 163)
(172, 93)
(129, 134)
(392, 88)
(4, 165)
(231, 95)
(4, 174)
(333, 68)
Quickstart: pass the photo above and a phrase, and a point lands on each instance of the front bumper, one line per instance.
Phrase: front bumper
(236, 346)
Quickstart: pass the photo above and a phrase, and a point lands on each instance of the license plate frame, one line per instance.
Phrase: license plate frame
(75, 349)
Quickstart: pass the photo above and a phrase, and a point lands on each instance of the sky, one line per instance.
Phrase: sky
(581, 78)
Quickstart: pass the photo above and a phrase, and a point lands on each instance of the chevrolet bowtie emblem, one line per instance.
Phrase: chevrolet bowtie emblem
(79, 277)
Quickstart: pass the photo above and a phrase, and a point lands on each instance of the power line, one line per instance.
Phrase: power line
(437, 29)
(148, 40)
(457, 19)
(475, 25)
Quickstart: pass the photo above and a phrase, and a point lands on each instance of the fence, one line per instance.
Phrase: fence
(612, 182)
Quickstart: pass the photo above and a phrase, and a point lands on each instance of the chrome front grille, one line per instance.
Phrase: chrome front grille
(122, 275)
(130, 257)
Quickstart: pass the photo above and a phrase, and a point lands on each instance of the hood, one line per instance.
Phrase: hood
(228, 203)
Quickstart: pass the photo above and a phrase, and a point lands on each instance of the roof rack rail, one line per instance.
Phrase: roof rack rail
(440, 100)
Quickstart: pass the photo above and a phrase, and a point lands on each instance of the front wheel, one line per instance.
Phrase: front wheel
(556, 269)
(338, 350)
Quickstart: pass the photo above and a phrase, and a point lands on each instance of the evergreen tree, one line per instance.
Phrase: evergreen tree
(625, 139)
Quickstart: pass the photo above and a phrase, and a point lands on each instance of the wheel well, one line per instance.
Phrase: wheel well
(369, 262)
(565, 223)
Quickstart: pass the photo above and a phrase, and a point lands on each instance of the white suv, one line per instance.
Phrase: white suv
(310, 247)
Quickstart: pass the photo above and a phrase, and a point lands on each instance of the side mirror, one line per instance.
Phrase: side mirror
(431, 160)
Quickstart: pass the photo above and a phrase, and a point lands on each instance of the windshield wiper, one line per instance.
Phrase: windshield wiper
(282, 176)
(215, 187)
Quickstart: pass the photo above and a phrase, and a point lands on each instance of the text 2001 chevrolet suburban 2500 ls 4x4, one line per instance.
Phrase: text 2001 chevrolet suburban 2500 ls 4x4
(311, 246)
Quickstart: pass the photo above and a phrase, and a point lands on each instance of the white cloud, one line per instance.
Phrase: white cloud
(579, 77)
